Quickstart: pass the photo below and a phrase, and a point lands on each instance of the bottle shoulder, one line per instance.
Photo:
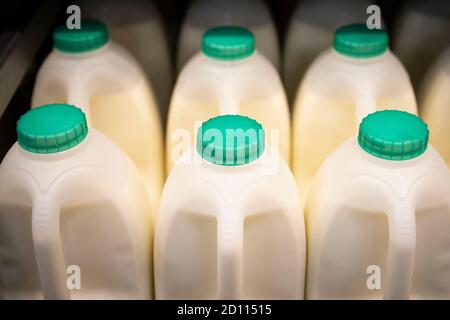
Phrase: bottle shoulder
(95, 161)
(111, 59)
(329, 61)
(207, 188)
(255, 71)
(350, 166)
(269, 170)
(332, 74)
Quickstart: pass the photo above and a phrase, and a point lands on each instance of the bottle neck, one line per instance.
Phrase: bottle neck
(82, 55)
(354, 60)
(57, 156)
(390, 163)
(227, 63)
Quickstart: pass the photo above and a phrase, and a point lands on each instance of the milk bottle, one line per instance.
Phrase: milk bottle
(205, 14)
(137, 26)
(310, 31)
(435, 104)
(228, 76)
(420, 33)
(72, 204)
(87, 70)
(378, 215)
(228, 208)
(345, 83)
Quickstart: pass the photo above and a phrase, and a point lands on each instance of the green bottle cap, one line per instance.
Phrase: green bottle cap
(393, 135)
(230, 140)
(357, 41)
(51, 128)
(228, 43)
(92, 35)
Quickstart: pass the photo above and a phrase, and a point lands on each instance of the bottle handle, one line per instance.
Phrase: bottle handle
(365, 104)
(401, 250)
(48, 249)
(230, 249)
(80, 99)
(228, 102)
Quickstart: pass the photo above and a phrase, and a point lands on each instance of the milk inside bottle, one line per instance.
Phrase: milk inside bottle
(378, 215)
(435, 104)
(230, 226)
(75, 216)
(137, 26)
(420, 33)
(355, 77)
(205, 14)
(310, 31)
(87, 70)
(228, 76)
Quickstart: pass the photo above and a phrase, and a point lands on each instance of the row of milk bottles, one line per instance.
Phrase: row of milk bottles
(81, 188)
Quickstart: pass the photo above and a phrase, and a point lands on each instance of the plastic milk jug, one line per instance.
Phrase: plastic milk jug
(75, 216)
(420, 33)
(138, 27)
(205, 14)
(230, 225)
(435, 104)
(345, 83)
(228, 76)
(378, 215)
(87, 70)
(310, 31)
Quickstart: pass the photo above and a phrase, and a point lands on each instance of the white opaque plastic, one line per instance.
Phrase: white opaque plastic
(370, 218)
(311, 30)
(230, 232)
(435, 104)
(205, 14)
(420, 33)
(86, 207)
(137, 26)
(208, 87)
(111, 89)
(335, 95)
